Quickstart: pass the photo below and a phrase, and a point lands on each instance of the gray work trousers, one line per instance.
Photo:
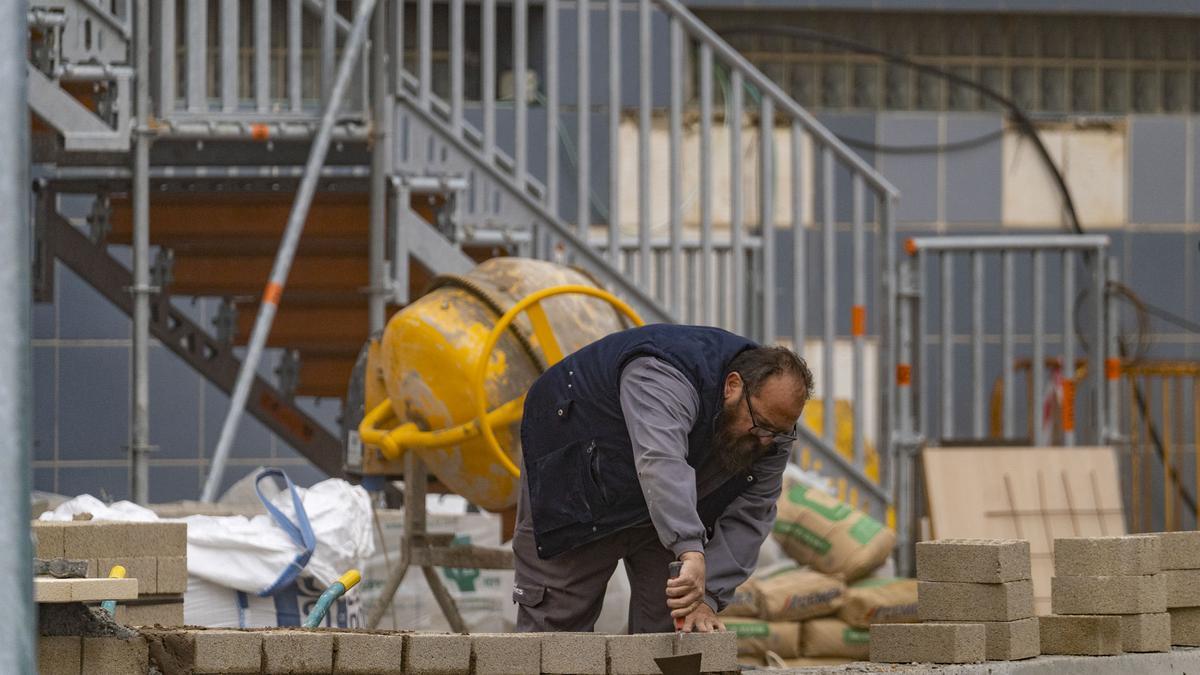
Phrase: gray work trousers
(566, 593)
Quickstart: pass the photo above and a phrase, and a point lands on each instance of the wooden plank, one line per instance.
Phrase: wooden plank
(1029, 493)
(83, 590)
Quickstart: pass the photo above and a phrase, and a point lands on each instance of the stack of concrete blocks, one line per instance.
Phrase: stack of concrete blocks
(154, 553)
(1108, 596)
(364, 653)
(975, 602)
(1181, 567)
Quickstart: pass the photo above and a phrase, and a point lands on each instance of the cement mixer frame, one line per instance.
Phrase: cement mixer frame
(418, 546)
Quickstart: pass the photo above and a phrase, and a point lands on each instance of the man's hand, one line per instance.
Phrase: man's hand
(686, 591)
(702, 620)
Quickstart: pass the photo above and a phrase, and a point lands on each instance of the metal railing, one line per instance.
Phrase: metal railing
(783, 175)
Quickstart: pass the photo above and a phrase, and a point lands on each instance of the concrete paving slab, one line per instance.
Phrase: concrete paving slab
(983, 561)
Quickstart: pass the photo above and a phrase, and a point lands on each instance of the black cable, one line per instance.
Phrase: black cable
(935, 148)
(1024, 124)
(1171, 317)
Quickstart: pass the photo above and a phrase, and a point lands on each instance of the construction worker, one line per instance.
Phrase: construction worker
(652, 445)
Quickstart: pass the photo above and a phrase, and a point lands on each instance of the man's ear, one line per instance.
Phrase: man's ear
(733, 385)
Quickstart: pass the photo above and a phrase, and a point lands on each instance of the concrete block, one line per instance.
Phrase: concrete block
(102, 539)
(60, 655)
(954, 601)
(164, 614)
(573, 653)
(1012, 640)
(115, 656)
(1180, 550)
(1136, 555)
(297, 651)
(1081, 634)
(507, 653)
(635, 654)
(1146, 632)
(1183, 588)
(172, 574)
(228, 651)
(437, 654)
(367, 654)
(163, 539)
(1109, 595)
(928, 643)
(1185, 626)
(982, 561)
(49, 539)
(718, 650)
(145, 570)
(46, 589)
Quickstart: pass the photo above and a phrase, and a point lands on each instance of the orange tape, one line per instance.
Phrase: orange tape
(1112, 368)
(910, 246)
(260, 132)
(858, 320)
(272, 293)
(1068, 405)
(903, 374)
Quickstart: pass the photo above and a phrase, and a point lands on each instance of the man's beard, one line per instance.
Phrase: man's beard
(735, 451)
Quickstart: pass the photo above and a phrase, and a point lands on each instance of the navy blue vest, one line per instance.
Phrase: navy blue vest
(577, 456)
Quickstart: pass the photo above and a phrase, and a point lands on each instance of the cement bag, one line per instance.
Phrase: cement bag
(880, 601)
(833, 537)
(756, 638)
(745, 601)
(834, 637)
(208, 604)
(799, 593)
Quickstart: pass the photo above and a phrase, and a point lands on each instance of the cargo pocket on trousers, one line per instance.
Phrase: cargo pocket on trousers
(528, 596)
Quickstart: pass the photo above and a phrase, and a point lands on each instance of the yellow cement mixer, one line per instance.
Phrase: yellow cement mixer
(447, 379)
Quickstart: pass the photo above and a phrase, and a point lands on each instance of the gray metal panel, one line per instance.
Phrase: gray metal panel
(93, 422)
(915, 176)
(598, 50)
(1157, 169)
(45, 411)
(858, 126)
(172, 483)
(973, 189)
(175, 393)
(1153, 268)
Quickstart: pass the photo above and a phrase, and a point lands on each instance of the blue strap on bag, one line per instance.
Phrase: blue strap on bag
(301, 533)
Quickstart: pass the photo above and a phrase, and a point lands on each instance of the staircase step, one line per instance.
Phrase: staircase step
(183, 217)
(309, 327)
(247, 275)
(325, 374)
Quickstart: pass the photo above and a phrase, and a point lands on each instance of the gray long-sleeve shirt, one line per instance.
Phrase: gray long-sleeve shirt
(660, 407)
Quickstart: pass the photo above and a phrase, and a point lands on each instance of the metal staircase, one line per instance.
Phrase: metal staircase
(679, 126)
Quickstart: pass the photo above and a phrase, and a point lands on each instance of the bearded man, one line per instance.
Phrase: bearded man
(653, 445)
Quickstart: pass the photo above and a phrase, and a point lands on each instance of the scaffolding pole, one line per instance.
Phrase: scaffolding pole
(16, 411)
(380, 163)
(287, 248)
(139, 412)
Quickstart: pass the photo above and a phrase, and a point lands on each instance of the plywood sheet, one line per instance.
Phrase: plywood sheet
(1029, 493)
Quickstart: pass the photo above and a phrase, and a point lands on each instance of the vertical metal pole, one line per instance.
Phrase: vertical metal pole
(197, 53)
(799, 232)
(614, 131)
(1037, 371)
(380, 166)
(397, 67)
(1007, 321)
(457, 75)
(645, 67)
(139, 426)
(708, 292)
(829, 303)
(166, 58)
(737, 251)
(1068, 337)
(401, 211)
(675, 200)
(287, 248)
(901, 463)
(920, 372)
(328, 48)
(977, 383)
(294, 47)
(766, 186)
(520, 96)
(889, 290)
(425, 51)
(583, 126)
(858, 321)
(18, 647)
(1107, 364)
(947, 387)
(552, 56)
(262, 55)
(229, 55)
(489, 77)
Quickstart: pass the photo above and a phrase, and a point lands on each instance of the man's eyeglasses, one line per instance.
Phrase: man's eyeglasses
(762, 431)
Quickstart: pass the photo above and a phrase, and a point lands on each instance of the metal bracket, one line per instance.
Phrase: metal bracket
(226, 320)
(99, 219)
(288, 372)
(163, 271)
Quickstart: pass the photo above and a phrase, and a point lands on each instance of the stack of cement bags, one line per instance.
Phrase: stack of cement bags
(818, 610)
